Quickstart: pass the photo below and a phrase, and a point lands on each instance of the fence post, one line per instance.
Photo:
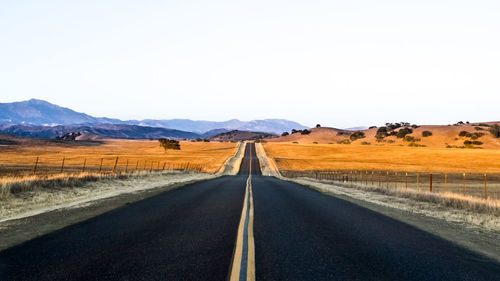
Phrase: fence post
(387, 180)
(164, 163)
(445, 182)
(116, 162)
(406, 180)
(136, 165)
(485, 188)
(36, 165)
(62, 165)
(418, 182)
(151, 168)
(100, 166)
(463, 188)
(84, 162)
(430, 182)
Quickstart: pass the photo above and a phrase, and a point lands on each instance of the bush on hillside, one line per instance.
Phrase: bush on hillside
(285, 134)
(495, 130)
(464, 134)
(346, 141)
(403, 132)
(426, 134)
(357, 135)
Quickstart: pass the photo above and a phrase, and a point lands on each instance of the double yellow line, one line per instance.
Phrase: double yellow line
(243, 266)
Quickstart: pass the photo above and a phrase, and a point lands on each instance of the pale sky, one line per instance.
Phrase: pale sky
(338, 63)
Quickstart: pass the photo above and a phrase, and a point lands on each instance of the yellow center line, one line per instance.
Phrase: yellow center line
(239, 254)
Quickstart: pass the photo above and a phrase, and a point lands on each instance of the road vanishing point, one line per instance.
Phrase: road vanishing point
(243, 227)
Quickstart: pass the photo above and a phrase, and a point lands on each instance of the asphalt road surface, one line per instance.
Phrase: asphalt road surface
(190, 234)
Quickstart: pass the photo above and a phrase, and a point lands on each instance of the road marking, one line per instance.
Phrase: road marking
(243, 266)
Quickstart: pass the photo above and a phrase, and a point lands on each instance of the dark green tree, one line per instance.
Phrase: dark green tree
(169, 144)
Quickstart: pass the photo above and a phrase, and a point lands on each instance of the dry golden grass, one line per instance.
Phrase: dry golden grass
(300, 157)
(19, 160)
(393, 166)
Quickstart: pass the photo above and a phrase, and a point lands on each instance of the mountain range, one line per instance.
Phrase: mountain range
(39, 118)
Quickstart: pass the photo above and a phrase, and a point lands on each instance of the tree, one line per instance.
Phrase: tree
(318, 126)
(169, 144)
(285, 134)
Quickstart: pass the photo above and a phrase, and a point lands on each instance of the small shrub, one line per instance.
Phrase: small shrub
(414, 144)
(305, 132)
(403, 132)
(477, 128)
(295, 142)
(372, 127)
(357, 136)
(464, 134)
(346, 141)
(426, 134)
(495, 130)
(381, 133)
(409, 139)
(318, 126)
(285, 134)
(315, 142)
(365, 143)
(476, 135)
(390, 141)
(483, 125)
(477, 142)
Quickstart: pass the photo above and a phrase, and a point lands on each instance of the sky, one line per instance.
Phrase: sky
(337, 63)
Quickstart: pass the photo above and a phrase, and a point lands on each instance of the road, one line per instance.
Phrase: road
(240, 226)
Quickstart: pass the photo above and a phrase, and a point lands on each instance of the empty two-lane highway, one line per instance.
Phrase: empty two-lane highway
(206, 230)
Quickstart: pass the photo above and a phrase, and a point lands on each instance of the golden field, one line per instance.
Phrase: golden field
(17, 160)
(299, 157)
(394, 166)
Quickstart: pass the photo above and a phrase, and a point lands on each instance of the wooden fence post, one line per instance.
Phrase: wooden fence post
(62, 165)
(126, 167)
(84, 162)
(485, 188)
(463, 187)
(418, 182)
(136, 165)
(164, 163)
(406, 180)
(151, 168)
(36, 165)
(445, 182)
(100, 166)
(430, 182)
(116, 163)
(387, 180)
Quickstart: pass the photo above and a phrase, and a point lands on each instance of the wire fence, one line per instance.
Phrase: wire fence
(100, 165)
(484, 185)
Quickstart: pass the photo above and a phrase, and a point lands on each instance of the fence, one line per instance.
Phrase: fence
(103, 165)
(485, 186)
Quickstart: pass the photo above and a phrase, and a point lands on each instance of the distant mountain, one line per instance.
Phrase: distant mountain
(107, 130)
(39, 112)
(241, 136)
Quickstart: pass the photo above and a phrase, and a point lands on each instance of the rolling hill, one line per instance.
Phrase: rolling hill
(474, 135)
